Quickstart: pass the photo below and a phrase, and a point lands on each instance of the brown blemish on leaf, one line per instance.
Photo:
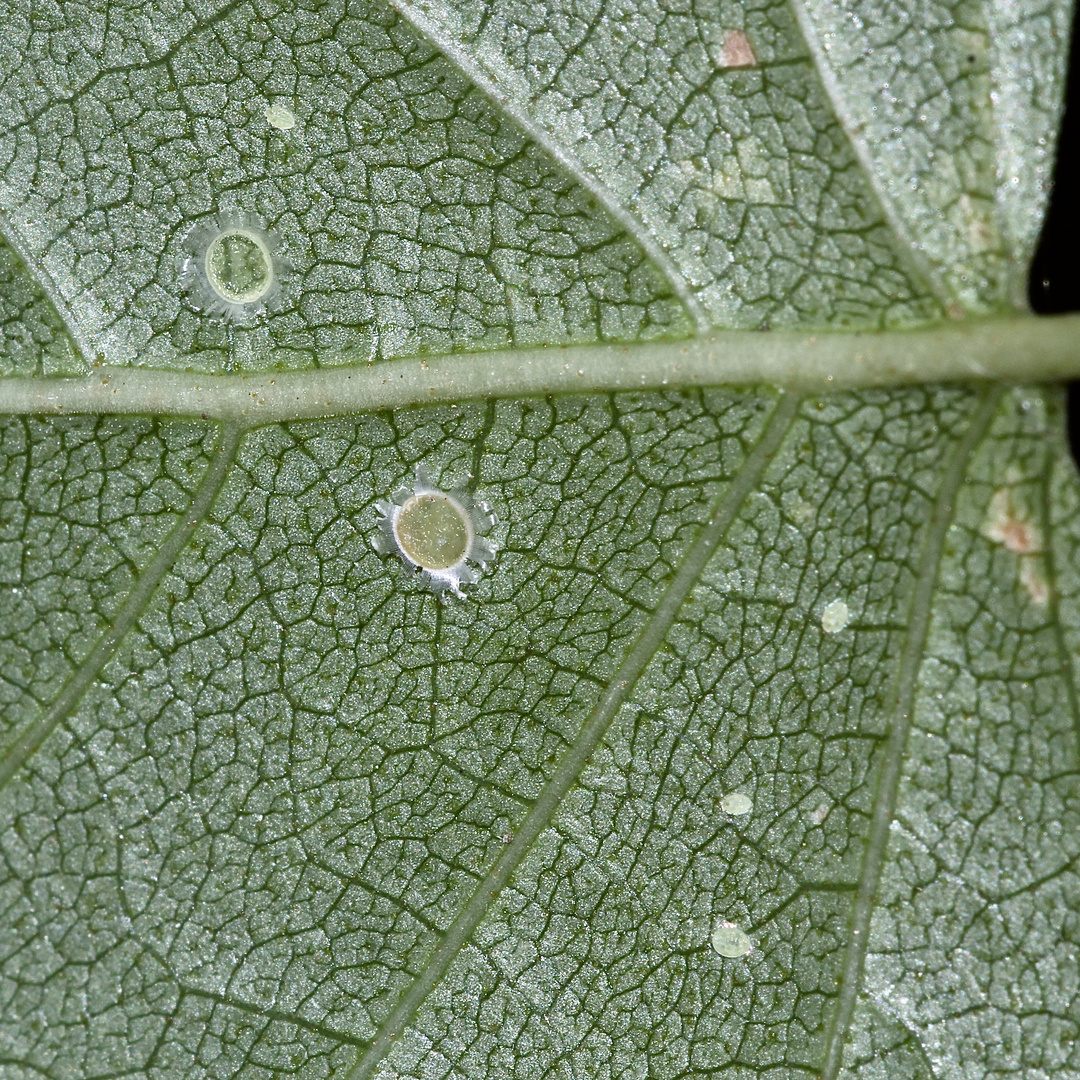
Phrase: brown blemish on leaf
(736, 51)
(1005, 525)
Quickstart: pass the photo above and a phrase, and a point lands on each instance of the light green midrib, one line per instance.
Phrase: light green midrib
(27, 741)
(905, 688)
(592, 731)
(1016, 348)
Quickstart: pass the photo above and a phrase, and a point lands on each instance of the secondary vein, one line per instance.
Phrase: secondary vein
(908, 248)
(27, 741)
(906, 685)
(467, 63)
(44, 281)
(592, 731)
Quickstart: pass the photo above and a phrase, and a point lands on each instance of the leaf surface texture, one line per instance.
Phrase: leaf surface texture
(787, 677)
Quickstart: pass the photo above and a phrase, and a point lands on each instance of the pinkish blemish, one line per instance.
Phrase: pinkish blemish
(1033, 580)
(1005, 525)
(736, 52)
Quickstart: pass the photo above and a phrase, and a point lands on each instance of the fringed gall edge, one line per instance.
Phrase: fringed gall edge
(436, 533)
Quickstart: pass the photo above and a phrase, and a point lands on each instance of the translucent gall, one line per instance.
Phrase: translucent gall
(232, 269)
(438, 534)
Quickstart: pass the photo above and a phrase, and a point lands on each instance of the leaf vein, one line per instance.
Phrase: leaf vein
(487, 83)
(907, 679)
(907, 245)
(27, 741)
(271, 1014)
(592, 732)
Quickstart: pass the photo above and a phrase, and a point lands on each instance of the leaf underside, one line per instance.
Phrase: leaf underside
(793, 673)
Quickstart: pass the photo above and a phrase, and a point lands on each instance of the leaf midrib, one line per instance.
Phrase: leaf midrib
(822, 362)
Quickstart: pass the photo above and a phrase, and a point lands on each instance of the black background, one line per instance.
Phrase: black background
(1055, 273)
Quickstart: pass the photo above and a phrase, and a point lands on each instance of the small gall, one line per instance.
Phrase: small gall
(736, 803)
(835, 617)
(232, 270)
(730, 940)
(438, 534)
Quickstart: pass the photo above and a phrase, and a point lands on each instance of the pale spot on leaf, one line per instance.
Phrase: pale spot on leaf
(748, 174)
(835, 617)
(735, 802)
(736, 51)
(1033, 580)
(1006, 525)
(976, 218)
(730, 940)
(277, 116)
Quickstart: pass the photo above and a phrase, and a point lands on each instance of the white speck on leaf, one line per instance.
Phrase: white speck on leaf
(735, 802)
(277, 116)
(835, 617)
(730, 940)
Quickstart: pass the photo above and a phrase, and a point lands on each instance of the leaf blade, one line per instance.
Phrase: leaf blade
(274, 810)
(592, 732)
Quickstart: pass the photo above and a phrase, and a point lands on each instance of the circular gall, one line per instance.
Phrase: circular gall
(438, 534)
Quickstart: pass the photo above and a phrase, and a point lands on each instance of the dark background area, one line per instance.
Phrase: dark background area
(1055, 272)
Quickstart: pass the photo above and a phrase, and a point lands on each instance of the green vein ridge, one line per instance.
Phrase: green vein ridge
(489, 83)
(906, 244)
(592, 731)
(907, 679)
(1038, 349)
(26, 742)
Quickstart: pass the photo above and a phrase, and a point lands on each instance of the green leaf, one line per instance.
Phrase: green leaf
(753, 750)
